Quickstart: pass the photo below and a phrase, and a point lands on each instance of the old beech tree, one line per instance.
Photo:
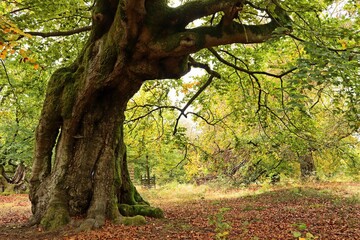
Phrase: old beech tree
(80, 166)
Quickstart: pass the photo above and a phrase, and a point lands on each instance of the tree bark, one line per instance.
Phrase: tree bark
(88, 174)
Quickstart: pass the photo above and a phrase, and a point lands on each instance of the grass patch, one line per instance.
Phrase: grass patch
(177, 193)
(188, 192)
(353, 199)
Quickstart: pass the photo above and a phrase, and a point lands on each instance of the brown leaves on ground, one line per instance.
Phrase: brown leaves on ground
(277, 214)
(14, 209)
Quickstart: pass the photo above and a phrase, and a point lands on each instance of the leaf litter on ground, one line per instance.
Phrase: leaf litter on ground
(321, 211)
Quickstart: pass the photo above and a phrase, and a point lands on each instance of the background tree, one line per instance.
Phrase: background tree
(149, 138)
(296, 95)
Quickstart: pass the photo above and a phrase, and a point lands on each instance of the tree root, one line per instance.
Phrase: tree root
(143, 210)
(55, 216)
(91, 223)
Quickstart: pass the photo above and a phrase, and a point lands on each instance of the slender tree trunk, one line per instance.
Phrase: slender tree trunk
(307, 166)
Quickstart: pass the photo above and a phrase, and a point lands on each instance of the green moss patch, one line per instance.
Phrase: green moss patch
(55, 217)
(143, 210)
(134, 221)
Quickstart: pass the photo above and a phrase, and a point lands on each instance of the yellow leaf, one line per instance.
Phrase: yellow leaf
(300, 238)
(343, 43)
(36, 66)
(23, 52)
(2, 57)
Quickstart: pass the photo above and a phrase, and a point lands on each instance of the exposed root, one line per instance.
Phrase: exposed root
(55, 217)
(134, 221)
(143, 210)
(92, 223)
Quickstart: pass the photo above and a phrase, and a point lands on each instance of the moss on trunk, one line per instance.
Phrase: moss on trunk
(88, 174)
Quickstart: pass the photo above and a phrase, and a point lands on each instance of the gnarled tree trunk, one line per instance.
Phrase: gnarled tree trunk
(82, 117)
(88, 173)
(16, 183)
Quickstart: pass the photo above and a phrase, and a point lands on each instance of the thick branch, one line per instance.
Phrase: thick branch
(226, 32)
(197, 9)
(135, 13)
(193, 40)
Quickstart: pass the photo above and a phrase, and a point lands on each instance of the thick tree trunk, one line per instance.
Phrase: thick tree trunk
(88, 172)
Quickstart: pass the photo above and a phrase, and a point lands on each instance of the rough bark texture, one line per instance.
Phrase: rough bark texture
(80, 163)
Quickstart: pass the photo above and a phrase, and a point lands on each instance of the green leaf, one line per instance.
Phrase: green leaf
(297, 234)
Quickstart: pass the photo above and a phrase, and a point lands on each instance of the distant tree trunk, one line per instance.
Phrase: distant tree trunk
(16, 183)
(3, 173)
(83, 113)
(307, 166)
(147, 168)
(19, 175)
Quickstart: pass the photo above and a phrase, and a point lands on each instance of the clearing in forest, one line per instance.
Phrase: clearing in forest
(321, 211)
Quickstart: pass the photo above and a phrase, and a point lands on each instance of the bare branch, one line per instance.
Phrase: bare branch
(184, 158)
(201, 89)
(60, 33)
(20, 9)
(203, 66)
(248, 71)
(157, 108)
(286, 125)
(319, 46)
(12, 89)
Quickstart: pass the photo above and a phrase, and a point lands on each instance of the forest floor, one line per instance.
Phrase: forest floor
(312, 211)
